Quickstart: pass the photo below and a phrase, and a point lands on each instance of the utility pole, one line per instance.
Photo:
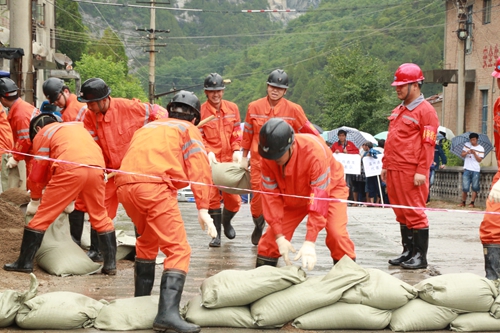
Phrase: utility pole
(462, 34)
(152, 44)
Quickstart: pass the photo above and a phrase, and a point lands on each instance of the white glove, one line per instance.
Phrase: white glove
(32, 207)
(206, 222)
(211, 158)
(308, 254)
(495, 192)
(12, 163)
(236, 156)
(244, 162)
(69, 208)
(284, 247)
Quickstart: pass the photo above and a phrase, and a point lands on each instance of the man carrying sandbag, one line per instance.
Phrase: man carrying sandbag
(70, 172)
(164, 156)
(294, 184)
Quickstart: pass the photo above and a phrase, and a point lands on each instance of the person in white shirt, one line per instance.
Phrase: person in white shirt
(473, 154)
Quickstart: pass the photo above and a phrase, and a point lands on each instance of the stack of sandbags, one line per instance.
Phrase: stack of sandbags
(11, 301)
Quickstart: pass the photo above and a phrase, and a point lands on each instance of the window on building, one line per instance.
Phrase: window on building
(469, 25)
(486, 11)
(3, 3)
(38, 13)
(484, 112)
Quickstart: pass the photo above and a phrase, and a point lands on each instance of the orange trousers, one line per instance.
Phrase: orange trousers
(255, 181)
(337, 238)
(232, 202)
(110, 200)
(489, 231)
(63, 188)
(402, 191)
(154, 210)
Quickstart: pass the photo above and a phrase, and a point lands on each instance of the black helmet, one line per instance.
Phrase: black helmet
(40, 121)
(8, 87)
(93, 90)
(52, 87)
(214, 82)
(184, 105)
(275, 138)
(278, 78)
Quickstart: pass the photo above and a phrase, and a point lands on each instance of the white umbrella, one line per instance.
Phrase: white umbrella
(369, 137)
(449, 132)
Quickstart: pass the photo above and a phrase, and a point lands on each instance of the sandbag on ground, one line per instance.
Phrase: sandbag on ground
(11, 301)
(228, 174)
(343, 316)
(60, 310)
(232, 316)
(125, 245)
(464, 292)
(475, 322)
(381, 291)
(495, 308)
(314, 293)
(236, 288)
(419, 315)
(137, 313)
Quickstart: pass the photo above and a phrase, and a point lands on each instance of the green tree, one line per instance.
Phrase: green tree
(110, 45)
(71, 33)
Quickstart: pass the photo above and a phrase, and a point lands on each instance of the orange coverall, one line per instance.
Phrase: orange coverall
(6, 138)
(318, 175)
(172, 151)
(114, 130)
(63, 182)
(489, 231)
(409, 149)
(258, 113)
(222, 136)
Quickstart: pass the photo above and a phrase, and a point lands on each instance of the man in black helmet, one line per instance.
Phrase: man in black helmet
(294, 182)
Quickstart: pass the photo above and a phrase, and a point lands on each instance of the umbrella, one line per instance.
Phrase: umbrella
(369, 137)
(381, 135)
(458, 143)
(447, 131)
(353, 135)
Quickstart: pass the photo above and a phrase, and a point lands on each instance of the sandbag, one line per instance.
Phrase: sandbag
(343, 316)
(475, 322)
(381, 291)
(60, 255)
(232, 316)
(61, 310)
(231, 178)
(464, 292)
(11, 301)
(314, 293)
(234, 288)
(495, 308)
(418, 315)
(137, 313)
(125, 245)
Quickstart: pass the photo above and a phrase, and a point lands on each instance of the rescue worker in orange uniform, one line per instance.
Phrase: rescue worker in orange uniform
(20, 114)
(285, 171)
(489, 231)
(274, 105)
(164, 156)
(63, 182)
(408, 153)
(6, 138)
(112, 122)
(58, 93)
(222, 138)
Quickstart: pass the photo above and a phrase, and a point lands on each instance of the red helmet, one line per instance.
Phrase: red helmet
(496, 72)
(408, 73)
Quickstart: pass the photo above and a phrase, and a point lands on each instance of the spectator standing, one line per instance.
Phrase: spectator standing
(473, 154)
(344, 146)
(371, 187)
(439, 163)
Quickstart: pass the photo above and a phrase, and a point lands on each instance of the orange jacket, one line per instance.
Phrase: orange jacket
(496, 128)
(20, 115)
(222, 135)
(412, 137)
(114, 130)
(6, 139)
(74, 110)
(317, 175)
(172, 151)
(65, 142)
(260, 111)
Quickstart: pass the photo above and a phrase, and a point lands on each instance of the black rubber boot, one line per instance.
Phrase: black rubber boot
(144, 276)
(168, 317)
(492, 261)
(407, 241)
(94, 252)
(260, 223)
(420, 246)
(32, 239)
(216, 215)
(76, 219)
(107, 245)
(227, 216)
(266, 261)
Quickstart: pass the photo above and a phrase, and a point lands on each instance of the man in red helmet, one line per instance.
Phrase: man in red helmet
(489, 231)
(409, 151)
